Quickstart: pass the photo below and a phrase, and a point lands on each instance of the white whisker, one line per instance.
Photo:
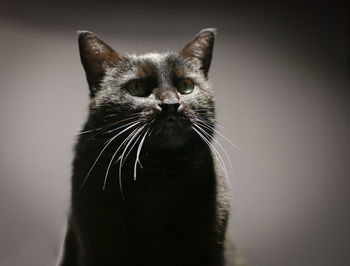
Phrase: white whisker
(203, 123)
(115, 129)
(138, 154)
(133, 145)
(121, 161)
(221, 161)
(109, 125)
(104, 148)
(217, 142)
(113, 156)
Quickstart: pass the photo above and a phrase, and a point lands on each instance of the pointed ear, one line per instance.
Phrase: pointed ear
(96, 56)
(201, 49)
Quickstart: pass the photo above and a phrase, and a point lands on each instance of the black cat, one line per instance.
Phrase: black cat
(145, 186)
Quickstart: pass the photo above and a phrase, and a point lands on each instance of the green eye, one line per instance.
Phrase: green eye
(137, 88)
(185, 86)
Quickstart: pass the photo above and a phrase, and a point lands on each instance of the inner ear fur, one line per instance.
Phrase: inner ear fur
(201, 49)
(96, 56)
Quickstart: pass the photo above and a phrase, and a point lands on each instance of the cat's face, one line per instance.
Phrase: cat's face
(165, 99)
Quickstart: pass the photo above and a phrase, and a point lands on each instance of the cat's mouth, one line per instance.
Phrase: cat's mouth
(169, 124)
(170, 131)
(172, 121)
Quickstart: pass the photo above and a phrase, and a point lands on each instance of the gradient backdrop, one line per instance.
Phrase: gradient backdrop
(280, 75)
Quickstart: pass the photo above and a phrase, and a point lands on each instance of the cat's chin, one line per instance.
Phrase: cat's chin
(171, 137)
(168, 143)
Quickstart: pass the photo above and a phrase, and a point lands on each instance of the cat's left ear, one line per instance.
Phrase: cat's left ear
(96, 56)
(201, 49)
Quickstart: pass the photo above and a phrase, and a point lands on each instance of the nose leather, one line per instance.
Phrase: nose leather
(170, 108)
(168, 96)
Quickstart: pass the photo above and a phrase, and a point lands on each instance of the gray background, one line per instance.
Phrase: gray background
(280, 77)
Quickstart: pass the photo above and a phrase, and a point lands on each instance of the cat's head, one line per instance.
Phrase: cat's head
(162, 99)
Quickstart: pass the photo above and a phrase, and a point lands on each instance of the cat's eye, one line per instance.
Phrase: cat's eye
(185, 86)
(137, 88)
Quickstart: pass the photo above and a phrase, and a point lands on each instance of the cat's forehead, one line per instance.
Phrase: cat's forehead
(162, 67)
(151, 64)
(154, 57)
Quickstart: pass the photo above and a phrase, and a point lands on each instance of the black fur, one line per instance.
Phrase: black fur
(173, 213)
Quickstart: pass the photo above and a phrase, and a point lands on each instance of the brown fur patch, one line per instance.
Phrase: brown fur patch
(145, 70)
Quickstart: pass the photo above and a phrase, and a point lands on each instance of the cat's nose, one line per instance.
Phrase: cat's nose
(169, 108)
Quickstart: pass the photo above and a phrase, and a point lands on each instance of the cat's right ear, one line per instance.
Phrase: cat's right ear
(200, 49)
(96, 56)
